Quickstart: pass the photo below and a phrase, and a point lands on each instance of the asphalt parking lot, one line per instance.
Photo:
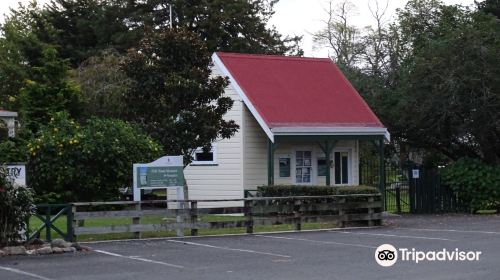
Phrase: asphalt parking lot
(329, 254)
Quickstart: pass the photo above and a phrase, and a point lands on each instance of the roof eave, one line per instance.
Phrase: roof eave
(332, 131)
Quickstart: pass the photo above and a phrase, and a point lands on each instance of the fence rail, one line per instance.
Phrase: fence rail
(257, 211)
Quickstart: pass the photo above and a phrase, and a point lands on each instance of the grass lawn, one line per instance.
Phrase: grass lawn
(61, 224)
(391, 201)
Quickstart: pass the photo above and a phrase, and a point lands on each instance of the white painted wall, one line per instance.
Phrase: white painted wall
(223, 180)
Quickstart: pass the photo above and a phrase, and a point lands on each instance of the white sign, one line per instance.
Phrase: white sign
(17, 173)
(415, 173)
(151, 175)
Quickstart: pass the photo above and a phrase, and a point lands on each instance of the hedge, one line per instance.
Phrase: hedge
(294, 190)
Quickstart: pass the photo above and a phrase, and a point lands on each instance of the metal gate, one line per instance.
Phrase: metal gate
(428, 194)
(396, 195)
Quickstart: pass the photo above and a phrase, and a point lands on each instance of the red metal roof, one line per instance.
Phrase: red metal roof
(299, 91)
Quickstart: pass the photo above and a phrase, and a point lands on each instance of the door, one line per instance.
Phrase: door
(342, 169)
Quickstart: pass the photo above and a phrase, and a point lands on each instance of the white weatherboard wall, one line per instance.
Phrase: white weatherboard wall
(223, 180)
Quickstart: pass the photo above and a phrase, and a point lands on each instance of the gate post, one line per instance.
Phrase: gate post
(382, 171)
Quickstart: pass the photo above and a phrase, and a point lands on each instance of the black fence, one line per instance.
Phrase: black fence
(412, 188)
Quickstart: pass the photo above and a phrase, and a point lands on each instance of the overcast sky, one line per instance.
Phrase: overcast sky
(299, 17)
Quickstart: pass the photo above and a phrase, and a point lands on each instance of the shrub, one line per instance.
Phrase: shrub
(477, 184)
(88, 163)
(294, 190)
(16, 206)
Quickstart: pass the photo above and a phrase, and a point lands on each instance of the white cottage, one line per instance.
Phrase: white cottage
(300, 123)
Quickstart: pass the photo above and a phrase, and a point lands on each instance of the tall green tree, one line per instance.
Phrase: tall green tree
(86, 27)
(172, 95)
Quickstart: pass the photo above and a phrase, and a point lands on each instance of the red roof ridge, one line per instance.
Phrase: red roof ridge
(274, 57)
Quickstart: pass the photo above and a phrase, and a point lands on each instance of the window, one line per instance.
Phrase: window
(303, 166)
(284, 167)
(322, 168)
(201, 157)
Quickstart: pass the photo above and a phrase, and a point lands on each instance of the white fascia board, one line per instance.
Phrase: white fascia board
(218, 62)
(332, 131)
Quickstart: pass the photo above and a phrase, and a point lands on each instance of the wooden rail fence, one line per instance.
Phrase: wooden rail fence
(340, 209)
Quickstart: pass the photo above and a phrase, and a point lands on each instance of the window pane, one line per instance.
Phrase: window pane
(300, 162)
(299, 154)
(344, 169)
(284, 167)
(337, 168)
(322, 169)
(299, 179)
(307, 179)
(201, 156)
(307, 154)
(307, 162)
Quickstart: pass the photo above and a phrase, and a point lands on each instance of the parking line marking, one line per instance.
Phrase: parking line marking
(318, 241)
(452, 230)
(228, 248)
(138, 259)
(24, 273)
(394, 235)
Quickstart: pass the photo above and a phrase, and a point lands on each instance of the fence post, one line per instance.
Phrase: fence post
(370, 212)
(73, 223)
(194, 217)
(248, 215)
(69, 223)
(297, 215)
(398, 198)
(341, 213)
(137, 220)
(48, 228)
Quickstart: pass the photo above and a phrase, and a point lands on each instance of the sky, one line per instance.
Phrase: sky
(301, 17)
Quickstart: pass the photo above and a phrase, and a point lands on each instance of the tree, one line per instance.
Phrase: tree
(340, 36)
(489, 7)
(86, 27)
(172, 95)
(103, 85)
(449, 99)
(34, 79)
(88, 162)
(47, 91)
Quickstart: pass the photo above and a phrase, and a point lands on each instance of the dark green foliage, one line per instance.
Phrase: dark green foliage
(86, 27)
(172, 95)
(294, 190)
(48, 90)
(88, 163)
(476, 183)
(489, 7)
(16, 206)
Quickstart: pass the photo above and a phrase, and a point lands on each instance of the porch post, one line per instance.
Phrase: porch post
(382, 170)
(328, 162)
(327, 149)
(270, 163)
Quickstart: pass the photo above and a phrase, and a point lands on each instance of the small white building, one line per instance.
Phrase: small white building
(300, 124)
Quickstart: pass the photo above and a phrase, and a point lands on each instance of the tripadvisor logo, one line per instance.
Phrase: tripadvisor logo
(387, 255)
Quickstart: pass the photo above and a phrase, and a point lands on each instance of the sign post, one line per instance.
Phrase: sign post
(165, 172)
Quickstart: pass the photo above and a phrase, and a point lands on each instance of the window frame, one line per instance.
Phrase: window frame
(214, 160)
